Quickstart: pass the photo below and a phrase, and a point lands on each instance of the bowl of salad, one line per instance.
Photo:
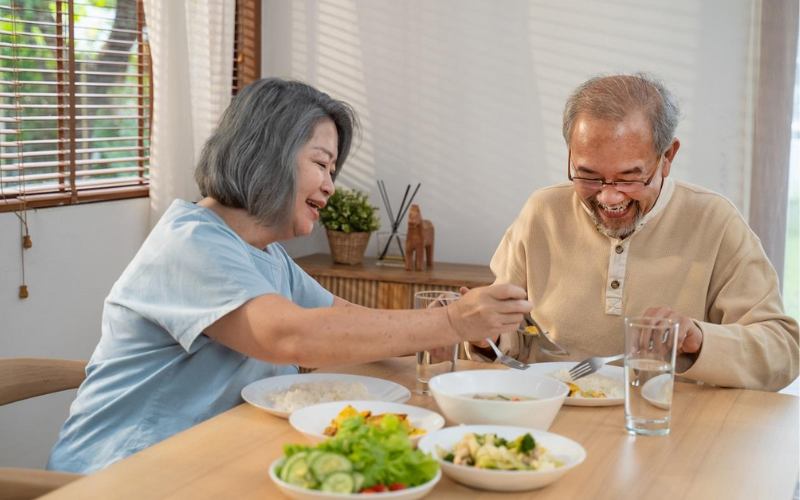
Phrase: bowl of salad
(502, 458)
(378, 460)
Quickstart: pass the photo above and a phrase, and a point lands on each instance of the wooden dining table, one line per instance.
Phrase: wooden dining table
(723, 443)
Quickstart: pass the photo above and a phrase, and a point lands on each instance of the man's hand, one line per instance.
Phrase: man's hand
(690, 338)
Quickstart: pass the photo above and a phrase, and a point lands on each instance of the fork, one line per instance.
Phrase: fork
(549, 347)
(591, 365)
(507, 360)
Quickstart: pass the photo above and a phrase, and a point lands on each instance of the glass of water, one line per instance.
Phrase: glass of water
(437, 361)
(650, 350)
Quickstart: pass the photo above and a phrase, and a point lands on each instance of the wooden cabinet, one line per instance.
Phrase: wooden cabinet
(386, 287)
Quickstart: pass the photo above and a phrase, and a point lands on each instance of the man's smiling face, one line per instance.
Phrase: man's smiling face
(617, 151)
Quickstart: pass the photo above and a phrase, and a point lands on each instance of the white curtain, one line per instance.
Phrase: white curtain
(192, 47)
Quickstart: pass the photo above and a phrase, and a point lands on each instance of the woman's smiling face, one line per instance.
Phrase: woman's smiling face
(316, 164)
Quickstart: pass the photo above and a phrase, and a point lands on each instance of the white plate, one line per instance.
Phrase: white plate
(616, 372)
(311, 421)
(381, 390)
(652, 392)
(299, 493)
(561, 448)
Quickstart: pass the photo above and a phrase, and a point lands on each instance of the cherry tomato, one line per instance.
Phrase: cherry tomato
(397, 486)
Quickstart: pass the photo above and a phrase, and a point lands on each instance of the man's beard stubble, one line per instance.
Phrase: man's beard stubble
(616, 233)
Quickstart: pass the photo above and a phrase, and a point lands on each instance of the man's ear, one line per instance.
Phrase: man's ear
(669, 154)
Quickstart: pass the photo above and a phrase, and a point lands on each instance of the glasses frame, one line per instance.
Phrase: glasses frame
(614, 184)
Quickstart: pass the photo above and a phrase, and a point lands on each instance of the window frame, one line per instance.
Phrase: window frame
(66, 189)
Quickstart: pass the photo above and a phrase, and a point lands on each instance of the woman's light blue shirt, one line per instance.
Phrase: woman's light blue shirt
(154, 373)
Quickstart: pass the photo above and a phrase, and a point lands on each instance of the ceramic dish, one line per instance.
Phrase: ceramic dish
(380, 390)
(616, 372)
(540, 397)
(311, 421)
(559, 447)
(655, 392)
(299, 493)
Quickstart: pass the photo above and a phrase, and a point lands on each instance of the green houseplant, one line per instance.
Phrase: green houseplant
(349, 219)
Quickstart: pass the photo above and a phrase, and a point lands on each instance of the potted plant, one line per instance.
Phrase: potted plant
(349, 218)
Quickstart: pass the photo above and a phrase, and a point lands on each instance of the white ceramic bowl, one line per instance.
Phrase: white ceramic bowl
(299, 493)
(453, 393)
(311, 421)
(561, 448)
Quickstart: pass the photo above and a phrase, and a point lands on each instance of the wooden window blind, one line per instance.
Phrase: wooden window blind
(75, 97)
(247, 44)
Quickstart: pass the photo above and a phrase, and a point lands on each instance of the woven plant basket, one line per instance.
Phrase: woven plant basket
(347, 248)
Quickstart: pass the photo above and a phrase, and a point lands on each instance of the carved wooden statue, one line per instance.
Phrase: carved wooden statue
(419, 240)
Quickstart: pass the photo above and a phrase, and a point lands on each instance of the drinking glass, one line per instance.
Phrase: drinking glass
(434, 362)
(650, 350)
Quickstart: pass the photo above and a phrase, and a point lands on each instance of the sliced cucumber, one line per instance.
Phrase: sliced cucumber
(327, 463)
(289, 461)
(339, 482)
(313, 456)
(359, 480)
(299, 474)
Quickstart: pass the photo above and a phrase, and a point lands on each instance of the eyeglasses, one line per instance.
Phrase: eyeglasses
(621, 186)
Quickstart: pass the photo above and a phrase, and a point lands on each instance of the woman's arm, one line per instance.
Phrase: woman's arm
(273, 329)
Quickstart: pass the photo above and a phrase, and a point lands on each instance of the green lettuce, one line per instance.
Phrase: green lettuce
(382, 452)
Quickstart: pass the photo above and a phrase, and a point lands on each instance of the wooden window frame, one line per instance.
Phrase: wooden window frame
(247, 44)
(66, 189)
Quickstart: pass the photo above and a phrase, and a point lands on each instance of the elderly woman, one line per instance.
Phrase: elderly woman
(212, 302)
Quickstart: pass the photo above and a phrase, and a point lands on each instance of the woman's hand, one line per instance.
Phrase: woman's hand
(488, 311)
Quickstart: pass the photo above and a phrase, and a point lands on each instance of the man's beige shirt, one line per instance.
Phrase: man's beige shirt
(693, 252)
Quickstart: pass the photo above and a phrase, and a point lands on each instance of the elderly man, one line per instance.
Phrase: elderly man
(623, 239)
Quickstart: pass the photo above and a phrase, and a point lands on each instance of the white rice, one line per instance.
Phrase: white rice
(304, 394)
(609, 386)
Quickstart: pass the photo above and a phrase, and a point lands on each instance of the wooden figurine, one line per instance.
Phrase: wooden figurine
(419, 240)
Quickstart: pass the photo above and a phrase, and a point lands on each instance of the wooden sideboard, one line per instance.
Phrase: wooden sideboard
(388, 287)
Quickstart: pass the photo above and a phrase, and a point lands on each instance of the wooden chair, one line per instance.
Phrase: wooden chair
(24, 378)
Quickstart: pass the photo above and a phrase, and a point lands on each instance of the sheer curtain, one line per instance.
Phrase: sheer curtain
(192, 49)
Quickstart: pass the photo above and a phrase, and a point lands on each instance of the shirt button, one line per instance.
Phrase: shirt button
(615, 284)
(619, 249)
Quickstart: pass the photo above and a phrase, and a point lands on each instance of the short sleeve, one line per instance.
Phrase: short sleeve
(189, 274)
(306, 291)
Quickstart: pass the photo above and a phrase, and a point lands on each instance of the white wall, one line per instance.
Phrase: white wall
(78, 253)
(466, 96)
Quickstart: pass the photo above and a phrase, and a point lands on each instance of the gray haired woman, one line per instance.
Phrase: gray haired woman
(212, 302)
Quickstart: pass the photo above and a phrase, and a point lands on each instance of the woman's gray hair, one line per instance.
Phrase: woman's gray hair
(615, 97)
(250, 161)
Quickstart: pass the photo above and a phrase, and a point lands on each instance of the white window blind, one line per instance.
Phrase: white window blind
(75, 97)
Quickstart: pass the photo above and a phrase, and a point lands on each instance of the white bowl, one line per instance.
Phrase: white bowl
(453, 393)
(299, 493)
(561, 448)
(311, 421)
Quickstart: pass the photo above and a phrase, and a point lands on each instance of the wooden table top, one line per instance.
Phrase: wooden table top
(724, 443)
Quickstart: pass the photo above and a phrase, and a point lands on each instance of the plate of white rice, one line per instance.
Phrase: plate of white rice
(284, 394)
(608, 381)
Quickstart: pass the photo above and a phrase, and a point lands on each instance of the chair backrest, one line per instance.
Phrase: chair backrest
(23, 378)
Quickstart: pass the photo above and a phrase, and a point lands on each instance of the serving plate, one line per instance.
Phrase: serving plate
(299, 493)
(311, 421)
(653, 392)
(616, 372)
(255, 393)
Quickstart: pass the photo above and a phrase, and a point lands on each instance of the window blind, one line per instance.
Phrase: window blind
(75, 102)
